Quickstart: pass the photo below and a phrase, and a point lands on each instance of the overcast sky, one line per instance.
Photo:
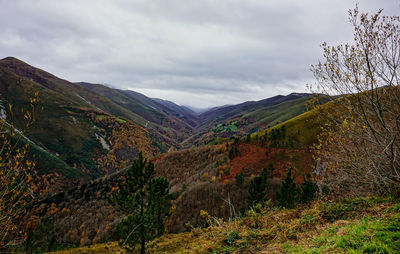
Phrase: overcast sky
(192, 52)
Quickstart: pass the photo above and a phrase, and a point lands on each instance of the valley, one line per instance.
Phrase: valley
(79, 123)
(88, 134)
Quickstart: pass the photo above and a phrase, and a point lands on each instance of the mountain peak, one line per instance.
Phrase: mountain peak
(15, 63)
(24, 69)
(12, 59)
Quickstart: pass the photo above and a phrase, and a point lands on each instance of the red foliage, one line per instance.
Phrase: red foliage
(252, 159)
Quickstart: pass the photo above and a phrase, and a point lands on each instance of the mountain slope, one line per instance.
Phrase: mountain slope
(164, 118)
(246, 118)
(70, 125)
(180, 111)
(232, 111)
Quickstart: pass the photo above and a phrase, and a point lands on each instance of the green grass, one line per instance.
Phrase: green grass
(301, 131)
(232, 126)
(222, 127)
(368, 235)
(100, 117)
(120, 120)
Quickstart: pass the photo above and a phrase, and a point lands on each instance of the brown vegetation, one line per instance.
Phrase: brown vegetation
(360, 147)
(17, 184)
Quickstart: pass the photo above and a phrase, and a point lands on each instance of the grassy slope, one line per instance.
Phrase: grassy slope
(73, 93)
(63, 135)
(360, 225)
(226, 113)
(277, 113)
(48, 162)
(302, 129)
(57, 129)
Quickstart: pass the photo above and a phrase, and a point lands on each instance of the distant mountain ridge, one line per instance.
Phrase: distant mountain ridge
(232, 110)
(246, 118)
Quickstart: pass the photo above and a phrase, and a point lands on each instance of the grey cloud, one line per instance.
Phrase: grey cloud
(201, 53)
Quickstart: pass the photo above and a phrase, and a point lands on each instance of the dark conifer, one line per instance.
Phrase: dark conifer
(307, 190)
(257, 189)
(287, 194)
(144, 200)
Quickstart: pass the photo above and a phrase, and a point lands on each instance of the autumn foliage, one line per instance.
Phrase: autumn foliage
(359, 149)
(16, 174)
(126, 139)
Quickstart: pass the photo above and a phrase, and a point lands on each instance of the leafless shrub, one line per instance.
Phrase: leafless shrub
(360, 146)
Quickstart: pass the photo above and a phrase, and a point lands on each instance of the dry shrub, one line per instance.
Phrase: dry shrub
(359, 150)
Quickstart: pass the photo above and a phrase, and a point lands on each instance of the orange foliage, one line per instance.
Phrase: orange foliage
(16, 171)
(126, 139)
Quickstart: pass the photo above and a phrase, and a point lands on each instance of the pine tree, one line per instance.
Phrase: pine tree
(307, 190)
(141, 201)
(160, 202)
(287, 194)
(239, 179)
(257, 189)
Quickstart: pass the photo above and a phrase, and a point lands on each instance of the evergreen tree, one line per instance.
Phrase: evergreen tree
(257, 189)
(287, 194)
(138, 199)
(307, 190)
(160, 202)
(239, 179)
